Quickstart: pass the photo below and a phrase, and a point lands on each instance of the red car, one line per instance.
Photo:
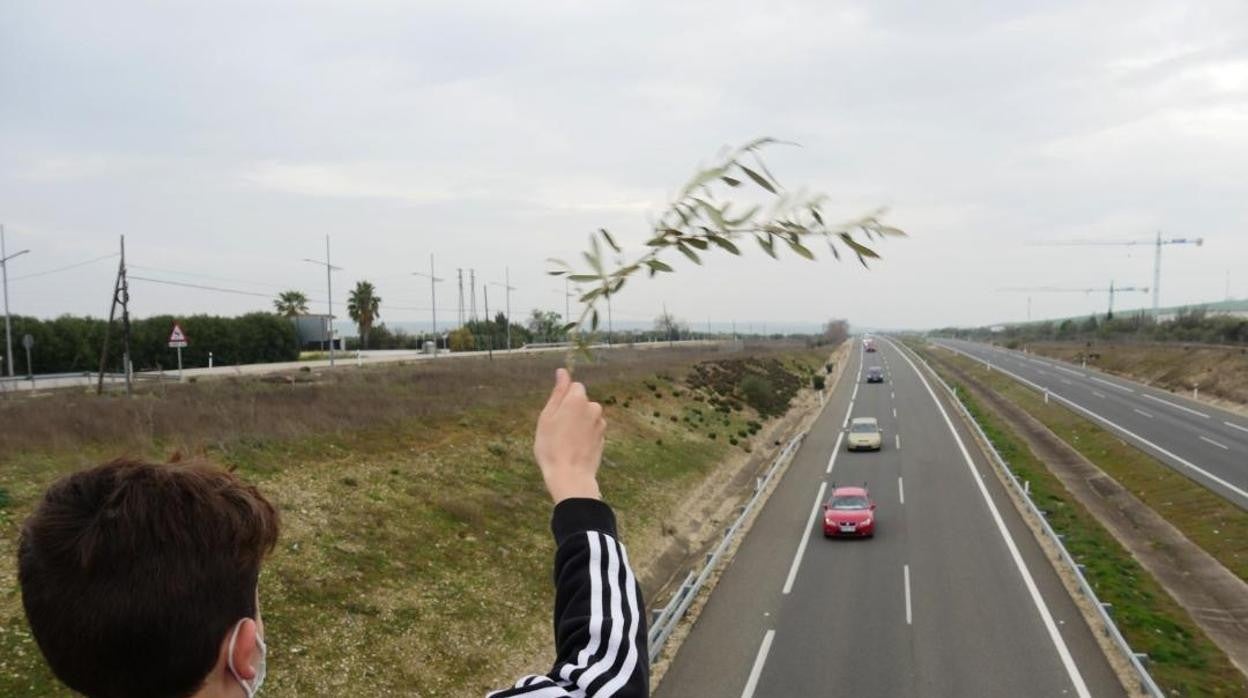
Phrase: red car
(849, 512)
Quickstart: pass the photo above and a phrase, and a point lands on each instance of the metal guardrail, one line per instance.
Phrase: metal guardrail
(1136, 659)
(665, 620)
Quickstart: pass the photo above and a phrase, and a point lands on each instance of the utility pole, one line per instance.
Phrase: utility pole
(489, 337)
(460, 272)
(8, 330)
(472, 285)
(121, 296)
(433, 300)
(610, 327)
(567, 301)
(329, 288)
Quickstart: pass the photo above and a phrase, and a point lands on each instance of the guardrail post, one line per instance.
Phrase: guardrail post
(1027, 487)
(1046, 397)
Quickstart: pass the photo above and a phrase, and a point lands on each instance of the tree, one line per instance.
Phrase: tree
(546, 325)
(364, 307)
(669, 326)
(291, 303)
(835, 331)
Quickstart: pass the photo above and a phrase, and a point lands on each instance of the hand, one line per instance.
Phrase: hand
(569, 440)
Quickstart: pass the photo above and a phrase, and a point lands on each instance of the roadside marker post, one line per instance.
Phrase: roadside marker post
(28, 342)
(177, 340)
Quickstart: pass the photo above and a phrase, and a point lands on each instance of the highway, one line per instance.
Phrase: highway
(953, 596)
(1203, 442)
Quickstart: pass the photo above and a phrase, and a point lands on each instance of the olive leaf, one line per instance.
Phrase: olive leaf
(698, 221)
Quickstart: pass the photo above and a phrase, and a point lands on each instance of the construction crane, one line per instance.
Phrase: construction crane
(1157, 244)
(1057, 289)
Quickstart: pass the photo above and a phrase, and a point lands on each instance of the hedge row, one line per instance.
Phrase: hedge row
(70, 344)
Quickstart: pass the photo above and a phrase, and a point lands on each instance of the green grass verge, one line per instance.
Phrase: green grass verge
(1182, 660)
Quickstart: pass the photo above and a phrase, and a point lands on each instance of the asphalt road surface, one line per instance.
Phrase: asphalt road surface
(953, 596)
(1203, 442)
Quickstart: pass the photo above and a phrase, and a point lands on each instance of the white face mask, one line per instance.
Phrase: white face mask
(254, 687)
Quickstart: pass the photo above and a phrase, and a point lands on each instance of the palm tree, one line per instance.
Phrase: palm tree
(364, 307)
(291, 303)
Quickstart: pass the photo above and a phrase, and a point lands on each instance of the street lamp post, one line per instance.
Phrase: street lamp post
(433, 300)
(8, 330)
(329, 288)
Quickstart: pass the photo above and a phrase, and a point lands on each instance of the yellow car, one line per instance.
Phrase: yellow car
(865, 434)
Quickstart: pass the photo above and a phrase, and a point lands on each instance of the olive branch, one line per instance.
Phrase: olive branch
(699, 220)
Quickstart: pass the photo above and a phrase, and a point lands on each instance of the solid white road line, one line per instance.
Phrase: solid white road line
(1112, 385)
(1233, 425)
(801, 548)
(855, 395)
(848, 412)
(905, 570)
(1098, 394)
(1175, 405)
(1140, 411)
(1081, 689)
(901, 491)
(897, 438)
(1208, 440)
(835, 450)
(759, 661)
(1239, 491)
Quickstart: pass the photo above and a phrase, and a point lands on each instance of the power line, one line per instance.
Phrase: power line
(205, 288)
(209, 276)
(64, 268)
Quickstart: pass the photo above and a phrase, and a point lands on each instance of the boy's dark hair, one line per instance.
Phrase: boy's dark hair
(132, 573)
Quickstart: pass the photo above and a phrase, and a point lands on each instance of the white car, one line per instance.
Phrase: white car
(865, 434)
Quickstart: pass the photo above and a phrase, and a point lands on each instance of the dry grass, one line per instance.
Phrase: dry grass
(1218, 371)
(219, 412)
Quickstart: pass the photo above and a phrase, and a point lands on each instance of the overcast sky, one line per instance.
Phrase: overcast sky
(227, 139)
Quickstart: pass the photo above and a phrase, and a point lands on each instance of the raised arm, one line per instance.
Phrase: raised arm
(600, 628)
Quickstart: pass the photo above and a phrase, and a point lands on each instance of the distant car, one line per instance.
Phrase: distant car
(875, 374)
(865, 434)
(868, 345)
(849, 512)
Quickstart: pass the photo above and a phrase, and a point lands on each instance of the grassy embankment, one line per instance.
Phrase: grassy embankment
(1219, 372)
(414, 557)
(1182, 660)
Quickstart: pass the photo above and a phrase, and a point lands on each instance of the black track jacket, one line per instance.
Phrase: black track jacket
(600, 619)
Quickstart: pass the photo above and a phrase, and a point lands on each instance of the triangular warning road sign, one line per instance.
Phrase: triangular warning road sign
(177, 338)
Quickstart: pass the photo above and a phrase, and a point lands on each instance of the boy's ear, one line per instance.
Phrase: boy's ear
(245, 647)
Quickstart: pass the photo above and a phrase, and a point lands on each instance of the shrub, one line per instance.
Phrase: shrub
(462, 340)
(733, 440)
(817, 382)
(657, 414)
(710, 434)
(496, 448)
